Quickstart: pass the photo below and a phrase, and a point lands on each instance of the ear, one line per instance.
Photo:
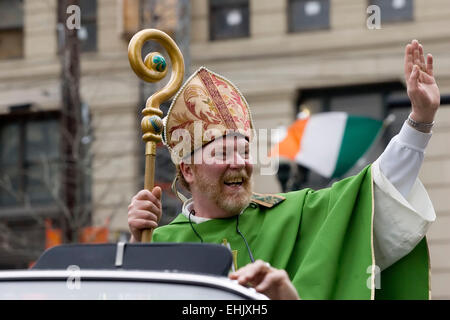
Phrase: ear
(187, 172)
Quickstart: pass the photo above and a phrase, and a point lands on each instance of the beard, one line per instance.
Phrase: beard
(233, 202)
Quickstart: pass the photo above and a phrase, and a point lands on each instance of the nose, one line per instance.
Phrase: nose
(238, 161)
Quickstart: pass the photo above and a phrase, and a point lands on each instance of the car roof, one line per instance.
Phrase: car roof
(168, 277)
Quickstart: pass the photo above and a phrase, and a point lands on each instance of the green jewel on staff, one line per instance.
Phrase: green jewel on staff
(160, 63)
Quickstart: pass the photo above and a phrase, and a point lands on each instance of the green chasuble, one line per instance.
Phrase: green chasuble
(323, 239)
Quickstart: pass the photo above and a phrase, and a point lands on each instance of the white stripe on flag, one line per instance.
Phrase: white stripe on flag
(322, 141)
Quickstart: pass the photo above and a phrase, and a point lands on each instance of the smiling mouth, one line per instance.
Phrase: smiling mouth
(234, 182)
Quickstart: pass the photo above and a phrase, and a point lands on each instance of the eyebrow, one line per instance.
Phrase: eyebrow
(238, 148)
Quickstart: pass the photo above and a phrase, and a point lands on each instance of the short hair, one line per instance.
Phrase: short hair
(181, 179)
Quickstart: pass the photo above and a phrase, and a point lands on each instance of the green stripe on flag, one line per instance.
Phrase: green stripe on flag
(359, 134)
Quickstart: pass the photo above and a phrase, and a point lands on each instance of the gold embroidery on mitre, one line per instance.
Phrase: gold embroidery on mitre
(211, 100)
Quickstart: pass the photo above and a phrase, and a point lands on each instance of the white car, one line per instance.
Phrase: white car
(128, 271)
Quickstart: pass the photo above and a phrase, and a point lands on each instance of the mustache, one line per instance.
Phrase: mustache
(236, 175)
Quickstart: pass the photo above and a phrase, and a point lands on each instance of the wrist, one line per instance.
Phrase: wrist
(422, 126)
(427, 118)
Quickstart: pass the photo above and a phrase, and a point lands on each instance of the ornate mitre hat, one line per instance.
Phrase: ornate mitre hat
(206, 107)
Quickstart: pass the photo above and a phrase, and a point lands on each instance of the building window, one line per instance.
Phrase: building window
(29, 158)
(394, 10)
(88, 31)
(11, 29)
(307, 15)
(228, 19)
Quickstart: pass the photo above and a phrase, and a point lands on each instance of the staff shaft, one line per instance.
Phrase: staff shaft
(149, 183)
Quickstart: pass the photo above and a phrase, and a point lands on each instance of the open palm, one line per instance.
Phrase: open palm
(421, 85)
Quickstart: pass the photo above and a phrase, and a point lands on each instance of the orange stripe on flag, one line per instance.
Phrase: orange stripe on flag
(290, 146)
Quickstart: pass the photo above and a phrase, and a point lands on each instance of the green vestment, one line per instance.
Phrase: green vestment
(323, 239)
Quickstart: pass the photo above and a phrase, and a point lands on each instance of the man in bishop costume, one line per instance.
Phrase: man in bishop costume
(361, 238)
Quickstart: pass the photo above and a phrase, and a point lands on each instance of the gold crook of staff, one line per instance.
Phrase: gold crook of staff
(152, 69)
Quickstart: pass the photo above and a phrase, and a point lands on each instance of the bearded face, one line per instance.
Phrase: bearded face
(231, 192)
(224, 177)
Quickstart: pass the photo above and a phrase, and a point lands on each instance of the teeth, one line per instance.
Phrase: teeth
(236, 180)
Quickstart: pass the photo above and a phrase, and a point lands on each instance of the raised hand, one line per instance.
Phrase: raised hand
(421, 85)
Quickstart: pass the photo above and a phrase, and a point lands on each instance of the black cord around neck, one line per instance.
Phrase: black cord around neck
(245, 240)
(192, 212)
(192, 226)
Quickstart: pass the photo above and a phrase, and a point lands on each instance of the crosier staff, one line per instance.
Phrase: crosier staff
(153, 69)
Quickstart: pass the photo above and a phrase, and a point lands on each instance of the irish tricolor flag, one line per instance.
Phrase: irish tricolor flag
(328, 143)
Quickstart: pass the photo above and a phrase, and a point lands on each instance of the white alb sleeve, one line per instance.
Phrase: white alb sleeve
(403, 210)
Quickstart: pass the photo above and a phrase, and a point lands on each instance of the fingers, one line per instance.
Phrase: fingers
(408, 60)
(265, 279)
(147, 195)
(141, 224)
(157, 192)
(144, 200)
(422, 58)
(144, 211)
(415, 73)
(252, 273)
(144, 215)
(430, 64)
(416, 52)
(414, 55)
(146, 206)
(274, 278)
(139, 220)
(414, 78)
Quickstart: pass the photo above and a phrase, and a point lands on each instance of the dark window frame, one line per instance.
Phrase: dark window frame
(215, 5)
(22, 118)
(291, 20)
(330, 92)
(19, 29)
(91, 18)
(393, 19)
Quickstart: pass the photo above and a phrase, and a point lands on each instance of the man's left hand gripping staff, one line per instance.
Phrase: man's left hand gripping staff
(267, 280)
